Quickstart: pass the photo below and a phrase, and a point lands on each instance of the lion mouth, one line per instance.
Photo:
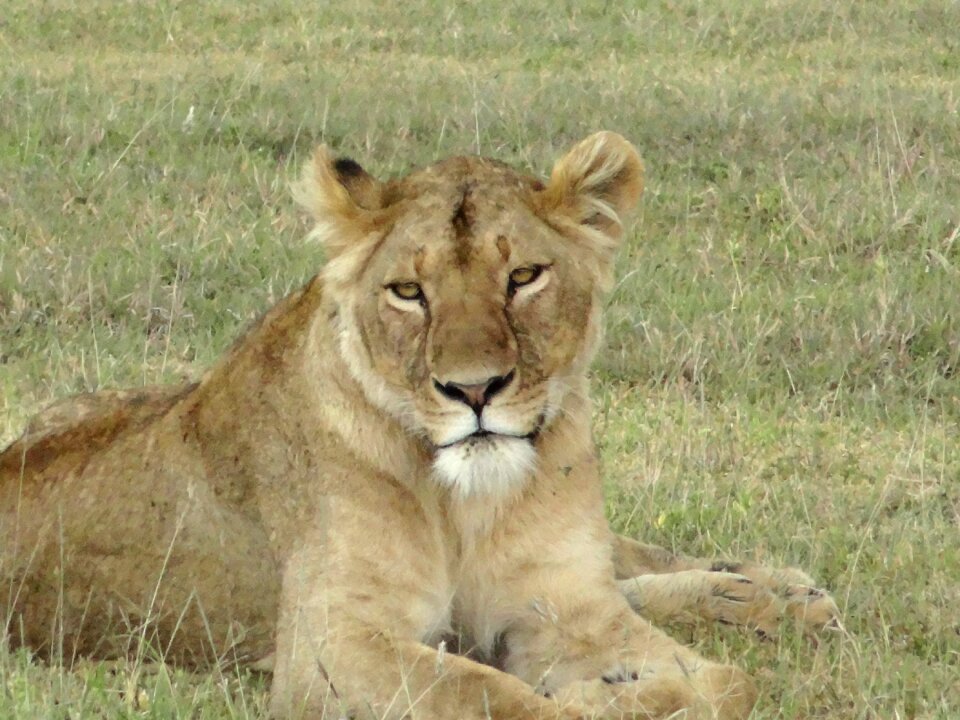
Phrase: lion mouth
(482, 435)
(478, 436)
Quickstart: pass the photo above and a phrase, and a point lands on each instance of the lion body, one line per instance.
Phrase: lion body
(325, 494)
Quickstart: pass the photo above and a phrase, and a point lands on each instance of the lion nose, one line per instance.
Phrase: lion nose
(476, 395)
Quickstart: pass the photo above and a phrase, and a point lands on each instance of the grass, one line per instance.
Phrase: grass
(780, 375)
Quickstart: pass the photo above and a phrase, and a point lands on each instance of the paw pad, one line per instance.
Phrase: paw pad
(621, 676)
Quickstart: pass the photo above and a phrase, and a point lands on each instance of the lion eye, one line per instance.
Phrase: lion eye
(407, 291)
(524, 276)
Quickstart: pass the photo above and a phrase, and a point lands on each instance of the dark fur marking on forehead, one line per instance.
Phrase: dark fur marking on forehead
(462, 219)
(503, 245)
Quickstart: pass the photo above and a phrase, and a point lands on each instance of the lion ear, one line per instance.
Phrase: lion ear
(342, 197)
(596, 184)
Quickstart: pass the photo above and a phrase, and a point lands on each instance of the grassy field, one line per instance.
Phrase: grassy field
(781, 373)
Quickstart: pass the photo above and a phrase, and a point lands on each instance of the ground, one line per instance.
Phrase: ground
(779, 379)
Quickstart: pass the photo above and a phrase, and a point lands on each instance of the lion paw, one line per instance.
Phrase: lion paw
(698, 690)
(662, 697)
(795, 593)
(812, 607)
(735, 599)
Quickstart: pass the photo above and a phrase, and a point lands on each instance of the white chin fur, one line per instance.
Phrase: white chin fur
(485, 466)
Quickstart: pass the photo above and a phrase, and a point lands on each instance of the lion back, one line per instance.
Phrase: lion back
(67, 434)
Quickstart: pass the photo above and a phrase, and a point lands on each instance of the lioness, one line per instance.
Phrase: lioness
(398, 456)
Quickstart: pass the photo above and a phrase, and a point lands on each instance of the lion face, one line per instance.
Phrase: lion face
(469, 295)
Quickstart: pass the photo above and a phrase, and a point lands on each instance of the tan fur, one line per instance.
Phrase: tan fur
(318, 496)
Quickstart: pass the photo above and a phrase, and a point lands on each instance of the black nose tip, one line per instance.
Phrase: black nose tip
(476, 395)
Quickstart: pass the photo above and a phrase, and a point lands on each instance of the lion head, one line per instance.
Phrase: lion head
(469, 294)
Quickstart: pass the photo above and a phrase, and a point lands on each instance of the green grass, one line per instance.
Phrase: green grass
(780, 375)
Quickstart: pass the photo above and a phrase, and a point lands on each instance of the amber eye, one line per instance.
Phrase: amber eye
(406, 291)
(524, 276)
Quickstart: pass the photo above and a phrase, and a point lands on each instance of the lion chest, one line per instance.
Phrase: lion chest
(462, 608)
